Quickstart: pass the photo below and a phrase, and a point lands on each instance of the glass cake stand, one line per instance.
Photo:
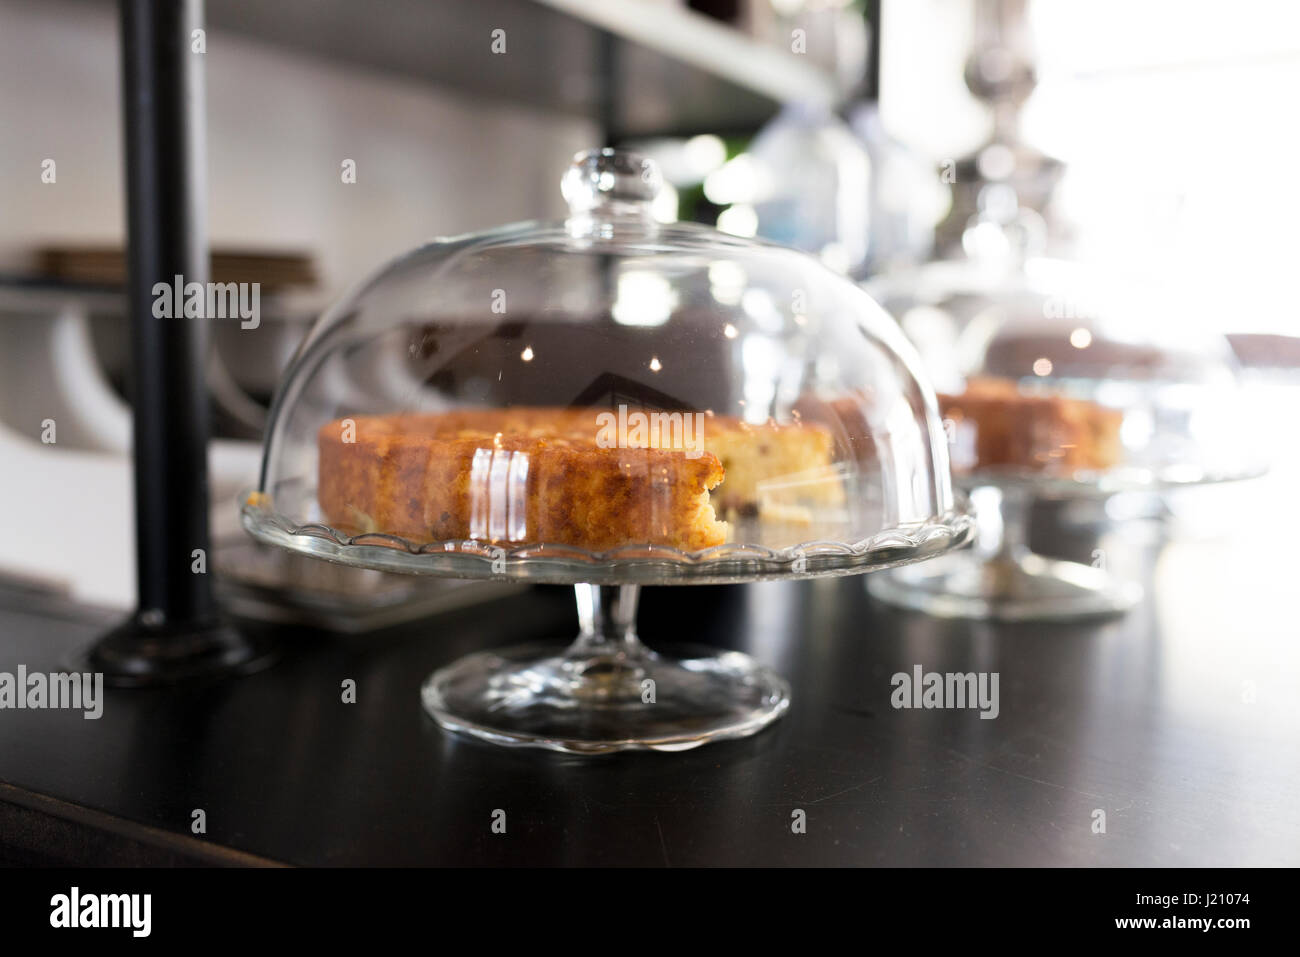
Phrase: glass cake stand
(1001, 578)
(607, 691)
(610, 401)
(1068, 383)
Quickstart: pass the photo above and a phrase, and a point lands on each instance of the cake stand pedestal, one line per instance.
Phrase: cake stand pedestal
(606, 691)
(1000, 578)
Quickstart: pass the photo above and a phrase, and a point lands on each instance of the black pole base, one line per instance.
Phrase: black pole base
(139, 653)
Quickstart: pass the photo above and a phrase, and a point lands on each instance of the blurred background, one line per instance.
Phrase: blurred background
(1151, 140)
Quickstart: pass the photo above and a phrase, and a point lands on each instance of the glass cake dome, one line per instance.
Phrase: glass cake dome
(1058, 381)
(607, 401)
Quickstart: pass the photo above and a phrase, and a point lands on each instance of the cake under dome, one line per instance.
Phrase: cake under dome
(607, 401)
(632, 397)
(1056, 380)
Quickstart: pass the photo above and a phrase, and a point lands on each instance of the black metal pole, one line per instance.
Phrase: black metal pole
(871, 84)
(164, 196)
(176, 631)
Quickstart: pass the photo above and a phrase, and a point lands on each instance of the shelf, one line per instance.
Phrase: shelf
(675, 71)
(678, 34)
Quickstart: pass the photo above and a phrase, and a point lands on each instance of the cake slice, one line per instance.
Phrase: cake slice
(768, 467)
(997, 425)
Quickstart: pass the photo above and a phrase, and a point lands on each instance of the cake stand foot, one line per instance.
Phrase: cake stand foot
(1023, 587)
(1000, 578)
(606, 692)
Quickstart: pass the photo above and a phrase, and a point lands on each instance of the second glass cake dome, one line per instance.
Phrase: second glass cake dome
(609, 399)
(1059, 381)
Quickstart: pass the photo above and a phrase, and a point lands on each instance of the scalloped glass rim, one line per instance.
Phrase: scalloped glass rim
(1123, 478)
(642, 564)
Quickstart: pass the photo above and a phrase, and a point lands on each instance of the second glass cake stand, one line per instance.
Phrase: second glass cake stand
(1058, 384)
(607, 402)
(1000, 577)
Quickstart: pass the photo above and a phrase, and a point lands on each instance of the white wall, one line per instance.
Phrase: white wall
(429, 162)
(1176, 119)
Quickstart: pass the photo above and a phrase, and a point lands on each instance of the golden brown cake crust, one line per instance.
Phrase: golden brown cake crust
(430, 478)
(553, 475)
(549, 475)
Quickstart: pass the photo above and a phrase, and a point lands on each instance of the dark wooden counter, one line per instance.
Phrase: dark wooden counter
(1183, 730)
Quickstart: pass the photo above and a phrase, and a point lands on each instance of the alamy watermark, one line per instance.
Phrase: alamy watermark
(130, 911)
(212, 300)
(949, 690)
(659, 430)
(57, 690)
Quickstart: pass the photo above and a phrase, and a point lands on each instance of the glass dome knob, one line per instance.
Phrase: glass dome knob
(611, 180)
